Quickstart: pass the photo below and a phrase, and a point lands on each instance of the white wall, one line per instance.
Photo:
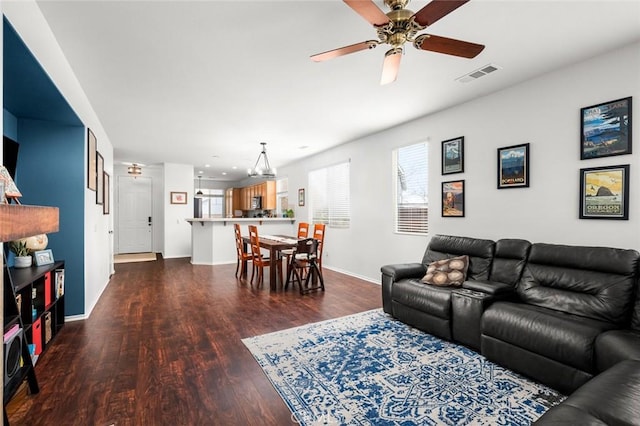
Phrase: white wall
(544, 112)
(177, 231)
(26, 18)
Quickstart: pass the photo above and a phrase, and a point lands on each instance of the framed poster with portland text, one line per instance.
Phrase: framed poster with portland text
(453, 156)
(605, 129)
(604, 192)
(513, 166)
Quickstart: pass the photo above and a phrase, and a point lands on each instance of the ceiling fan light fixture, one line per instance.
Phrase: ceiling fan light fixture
(401, 25)
(391, 66)
(262, 170)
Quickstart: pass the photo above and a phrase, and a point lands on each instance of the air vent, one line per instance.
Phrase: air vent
(481, 72)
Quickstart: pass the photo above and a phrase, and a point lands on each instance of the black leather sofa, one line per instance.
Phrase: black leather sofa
(559, 314)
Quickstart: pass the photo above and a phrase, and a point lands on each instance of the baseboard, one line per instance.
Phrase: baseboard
(72, 318)
(224, 262)
(351, 274)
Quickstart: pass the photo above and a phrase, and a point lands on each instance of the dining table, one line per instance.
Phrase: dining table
(275, 244)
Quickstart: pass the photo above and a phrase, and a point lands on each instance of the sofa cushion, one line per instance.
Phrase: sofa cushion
(616, 345)
(562, 337)
(509, 260)
(610, 398)
(426, 298)
(593, 282)
(480, 253)
(447, 272)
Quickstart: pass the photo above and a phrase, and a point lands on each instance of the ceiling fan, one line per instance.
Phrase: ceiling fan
(401, 25)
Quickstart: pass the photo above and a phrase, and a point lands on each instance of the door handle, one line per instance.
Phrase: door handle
(149, 221)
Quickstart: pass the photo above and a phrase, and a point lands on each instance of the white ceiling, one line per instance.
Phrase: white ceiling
(204, 82)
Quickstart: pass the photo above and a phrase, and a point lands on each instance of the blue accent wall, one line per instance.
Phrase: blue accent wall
(51, 173)
(51, 161)
(9, 125)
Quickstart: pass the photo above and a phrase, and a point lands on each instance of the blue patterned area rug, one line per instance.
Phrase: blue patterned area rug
(369, 369)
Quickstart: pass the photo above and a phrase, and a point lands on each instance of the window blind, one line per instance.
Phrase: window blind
(412, 179)
(329, 196)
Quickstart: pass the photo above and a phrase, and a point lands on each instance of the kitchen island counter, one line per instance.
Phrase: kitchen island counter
(213, 242)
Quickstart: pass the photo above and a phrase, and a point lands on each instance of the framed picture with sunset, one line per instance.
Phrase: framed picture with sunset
(453, 198)
(604, 192)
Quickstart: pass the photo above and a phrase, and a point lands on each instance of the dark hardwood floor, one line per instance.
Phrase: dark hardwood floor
(162, 347)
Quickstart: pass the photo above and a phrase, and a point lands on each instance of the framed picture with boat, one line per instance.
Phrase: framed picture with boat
(605, 129)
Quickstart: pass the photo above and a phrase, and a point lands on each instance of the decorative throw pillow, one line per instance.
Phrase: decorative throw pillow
(447, 272)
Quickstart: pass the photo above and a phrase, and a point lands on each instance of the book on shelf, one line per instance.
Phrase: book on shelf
(59, 280)
(11, 332)
(19, 303)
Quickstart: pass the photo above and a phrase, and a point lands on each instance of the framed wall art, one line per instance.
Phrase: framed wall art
(604, 192)
(106, 205)
(605, 129)
(513, 166)
(301, 197)
(178, 197)
(453, 198)
(453, 156)
(100, 182)
(92, 146)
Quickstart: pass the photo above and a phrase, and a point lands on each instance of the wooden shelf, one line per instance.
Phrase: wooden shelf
(18, 221)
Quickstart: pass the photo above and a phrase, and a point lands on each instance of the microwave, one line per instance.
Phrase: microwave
(256, 203)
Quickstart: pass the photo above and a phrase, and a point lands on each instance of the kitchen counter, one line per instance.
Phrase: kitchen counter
(224, 220)
(213, 243)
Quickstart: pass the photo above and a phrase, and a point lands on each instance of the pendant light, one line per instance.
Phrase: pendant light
(264, 169)
(199, 194)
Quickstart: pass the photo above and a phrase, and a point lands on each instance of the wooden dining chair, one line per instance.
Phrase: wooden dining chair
(259, 260)
(243, 256)
(318, 234)
(303, 268)
(303, 232)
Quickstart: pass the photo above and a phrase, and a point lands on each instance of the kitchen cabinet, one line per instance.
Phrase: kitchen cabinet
(242, 197)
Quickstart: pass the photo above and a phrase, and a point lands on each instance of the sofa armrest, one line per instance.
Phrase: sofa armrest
(394, 273)
(614, 346)
(610, 398)
(493, 288)
(403, 270)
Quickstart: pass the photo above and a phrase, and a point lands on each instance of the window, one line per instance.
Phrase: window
(412, 202)
(212, 203)
(329, 200)
(282, 195)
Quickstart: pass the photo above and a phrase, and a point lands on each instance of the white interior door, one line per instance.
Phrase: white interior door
(135, 221)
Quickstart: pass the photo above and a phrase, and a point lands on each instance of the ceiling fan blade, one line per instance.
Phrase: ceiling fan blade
(435, 10)
(448, 46)
(369, 44)
(391, 66)
(369, 11)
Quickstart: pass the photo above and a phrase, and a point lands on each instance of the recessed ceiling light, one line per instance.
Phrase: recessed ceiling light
(234, 167)
(224, 173)
(207, 165)
(200, 172)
